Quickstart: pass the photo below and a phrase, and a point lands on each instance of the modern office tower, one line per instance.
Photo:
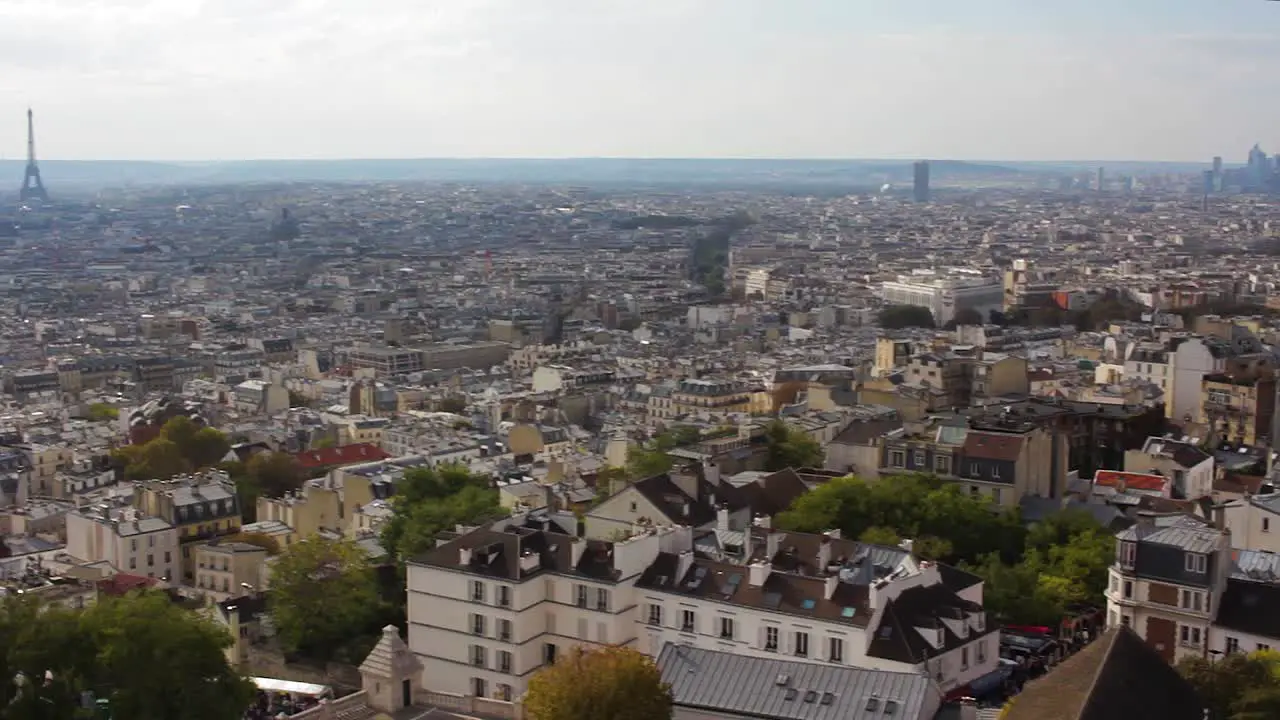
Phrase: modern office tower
(921, 186)
(1102, 179)
(1217, 173)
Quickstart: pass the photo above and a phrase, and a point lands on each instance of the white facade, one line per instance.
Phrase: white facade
(1129, 602)
(1189, 364)
(1254, 523)
(146, 546)
(944, 297)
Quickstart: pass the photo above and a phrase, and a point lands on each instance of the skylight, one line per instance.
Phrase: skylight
(808, 604)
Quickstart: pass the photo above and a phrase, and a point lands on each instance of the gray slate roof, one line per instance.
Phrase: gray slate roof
(736, 684)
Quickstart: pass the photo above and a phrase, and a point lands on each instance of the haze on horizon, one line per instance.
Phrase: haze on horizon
(961, 79)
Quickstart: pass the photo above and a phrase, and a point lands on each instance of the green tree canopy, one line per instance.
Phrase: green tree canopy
(323, 594)
(148, 657)
(206, 448)
(614, 682)
(429, 500)
(103, 411)
(159, 459)
(790, 447)
(275, 473)
(653, 457)
(896, 317)
(1237, 686)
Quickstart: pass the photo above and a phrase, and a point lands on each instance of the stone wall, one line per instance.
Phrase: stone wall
(344, 679)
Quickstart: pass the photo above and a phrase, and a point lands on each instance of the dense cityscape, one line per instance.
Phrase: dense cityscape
(746, 440)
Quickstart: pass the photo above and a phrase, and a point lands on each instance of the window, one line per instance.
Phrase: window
(477, 625)
(1233, 645)
(726, 628)
(835, 649)
(477, 656)
(918, 459)
(802, 644)
(1126, 553)
(974, 470)
(964, 658)
(504, 596)
(1196, 563)
(167, 558)
(1192, 600)
(941, 464)
(1263, 646)
(897, 458)
(1128, 589)
(771, 639)
(151, 541)
(133, 563)
(1189, 636)
(151, 560)
(477, 591)
(982, 651)
(133, 545)
(549, 654)
(580, 595)
(995, 495)
(479, 687)
(655, 615)
(688, 621)
(504, 661)
(504, 693)
(504, 630)
(1266, 524)
(1126, 621)
(602, 599)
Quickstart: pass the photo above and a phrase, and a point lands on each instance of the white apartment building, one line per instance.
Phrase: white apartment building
(945, 294)
(130, 543)
(490, 608)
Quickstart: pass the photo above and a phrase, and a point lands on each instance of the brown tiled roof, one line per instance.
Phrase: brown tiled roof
(993, 446)
(124, 583)
(1117, 677)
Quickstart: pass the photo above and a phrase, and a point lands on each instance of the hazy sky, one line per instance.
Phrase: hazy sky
(974, 79)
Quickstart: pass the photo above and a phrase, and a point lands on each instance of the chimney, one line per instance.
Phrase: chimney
(711, 472)
(824, 554)
(577, 547)
(830, 583)
(1220, 516)
(758, 572)
(685, 562)
(772, 543)
(722, 518)
(464, 556)
(549, 497)
(748, 544)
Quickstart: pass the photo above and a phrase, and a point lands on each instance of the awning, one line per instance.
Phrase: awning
(289, 686)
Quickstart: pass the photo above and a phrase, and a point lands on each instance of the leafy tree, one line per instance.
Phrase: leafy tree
(790, 447)
(610, 480)
(159, 459)
(180, 430)
(880, 536)
(613, 682)
(206, 448)
(275, 474)
(147, 656)
(323, 593)
(455, 405)
(429, 500)
(968, 316)
(103, 411)
(1238, 686)
(895, 317)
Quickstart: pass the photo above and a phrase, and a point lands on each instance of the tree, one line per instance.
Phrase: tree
(790, 447)
(275, 474)
(102, 411)
(1238, 686)
(206, 448)
(610, 480)
(429, 500)
(613, 682)
(968, 316)
(159, 459)
(895, 317)
(880, 536)
(455, 405)
(180, 430)
(145, 655)
(323, 593)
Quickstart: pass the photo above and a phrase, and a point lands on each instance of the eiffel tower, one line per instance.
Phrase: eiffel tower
(32, 185)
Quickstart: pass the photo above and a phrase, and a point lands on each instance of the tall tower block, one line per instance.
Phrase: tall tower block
(920, 175)
(32, 185)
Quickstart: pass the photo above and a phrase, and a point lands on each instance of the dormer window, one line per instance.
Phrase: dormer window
(1126, 553)
(1197, 563)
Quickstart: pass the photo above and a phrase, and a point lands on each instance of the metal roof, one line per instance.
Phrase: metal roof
(787, 690)
(1181, 531)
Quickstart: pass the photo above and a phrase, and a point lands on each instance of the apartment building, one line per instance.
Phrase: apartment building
(1238, 409)
(1167, 582)
(126, 540)
(200, 507)
(225, 570)
(490, 608)
(1190, 468)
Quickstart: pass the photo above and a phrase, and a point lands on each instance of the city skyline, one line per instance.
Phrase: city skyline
(330, 79)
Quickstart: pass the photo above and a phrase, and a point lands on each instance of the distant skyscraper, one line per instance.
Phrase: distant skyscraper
(1217, 173)
(921, 187)
(1102, 179)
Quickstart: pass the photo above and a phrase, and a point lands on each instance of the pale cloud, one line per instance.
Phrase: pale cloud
(406, 78)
